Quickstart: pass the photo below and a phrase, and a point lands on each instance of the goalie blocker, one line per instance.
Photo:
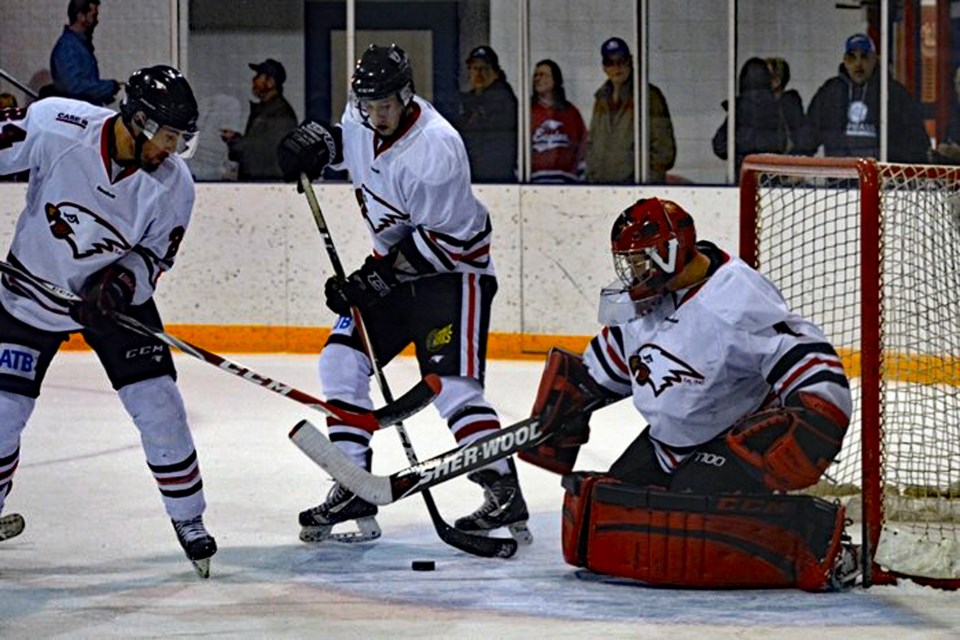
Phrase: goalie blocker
(736, 541)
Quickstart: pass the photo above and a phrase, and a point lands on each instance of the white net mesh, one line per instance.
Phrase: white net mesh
(809, 243)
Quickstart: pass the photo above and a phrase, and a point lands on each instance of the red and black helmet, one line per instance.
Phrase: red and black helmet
(652, 241)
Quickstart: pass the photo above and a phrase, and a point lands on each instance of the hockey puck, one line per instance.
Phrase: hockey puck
(423, 565)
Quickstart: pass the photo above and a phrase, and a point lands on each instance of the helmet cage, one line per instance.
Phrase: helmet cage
(652, 242)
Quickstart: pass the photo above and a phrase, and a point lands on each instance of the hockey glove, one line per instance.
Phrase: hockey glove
(363, 288)
(308, 149)
(105, 293)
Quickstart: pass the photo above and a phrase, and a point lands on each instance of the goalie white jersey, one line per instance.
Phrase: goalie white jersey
(707, 356)
(84, 212)
(418, 181)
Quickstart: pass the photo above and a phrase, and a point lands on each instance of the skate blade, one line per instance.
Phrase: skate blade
(11, 526)
(202, 567)
(367, 529)
(521, 533)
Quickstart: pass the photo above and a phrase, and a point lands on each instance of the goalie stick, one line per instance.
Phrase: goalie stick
(421, 395)
(488, 547)
(422, 475)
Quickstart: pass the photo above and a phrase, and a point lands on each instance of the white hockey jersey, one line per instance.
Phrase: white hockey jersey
(707, 356)
(418, 182)
(84, 212)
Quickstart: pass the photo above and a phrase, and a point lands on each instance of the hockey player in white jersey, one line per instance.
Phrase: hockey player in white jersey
(108, 204)
(429, 281)
(740, 394)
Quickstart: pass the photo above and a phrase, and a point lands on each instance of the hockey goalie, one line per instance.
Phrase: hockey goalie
(745, 400)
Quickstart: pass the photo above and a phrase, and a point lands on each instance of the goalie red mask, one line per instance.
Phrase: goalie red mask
(652, 242)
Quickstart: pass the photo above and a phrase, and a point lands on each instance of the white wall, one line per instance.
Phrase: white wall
(253, 255)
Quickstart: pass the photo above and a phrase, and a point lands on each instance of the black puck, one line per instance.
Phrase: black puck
(423, 565)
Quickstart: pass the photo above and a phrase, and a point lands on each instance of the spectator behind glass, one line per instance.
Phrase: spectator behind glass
(558, 137)
(791, 104)
(9, 101)
(948, 151)
(844, 114)
(760, 128)
(488, 119)
(610, 152)
(72, 62)
(270, 120)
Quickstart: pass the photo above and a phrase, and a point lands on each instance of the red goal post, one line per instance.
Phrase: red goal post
(871, 252)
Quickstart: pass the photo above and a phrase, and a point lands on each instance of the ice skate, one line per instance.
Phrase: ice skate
(503, 506)
(341, 505)
(11, 526)
(847, 567)
(197, 543)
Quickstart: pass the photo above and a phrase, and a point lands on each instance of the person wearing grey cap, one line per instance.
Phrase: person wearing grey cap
(270, 119)
(488, 119)
(844, 114)
(610, 152)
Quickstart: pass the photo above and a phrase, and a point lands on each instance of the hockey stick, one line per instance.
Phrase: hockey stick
(19, 85)
(420, 476)
(487, 547)
(421, 395)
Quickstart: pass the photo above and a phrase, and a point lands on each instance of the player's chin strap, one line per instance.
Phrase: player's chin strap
(477, 545)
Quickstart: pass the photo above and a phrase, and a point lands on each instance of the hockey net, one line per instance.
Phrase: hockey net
(871, 252)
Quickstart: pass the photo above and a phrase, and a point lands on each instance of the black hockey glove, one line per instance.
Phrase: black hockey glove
(308, 149)
(105, 293)
(363, 288)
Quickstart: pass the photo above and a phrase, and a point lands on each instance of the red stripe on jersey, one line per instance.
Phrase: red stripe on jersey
(471, 322)
(613, 356)
(482, 251)
(786, 384)
(477, 427)
(382, 144)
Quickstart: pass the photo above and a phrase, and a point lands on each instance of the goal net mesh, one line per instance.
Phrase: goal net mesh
(808, 229)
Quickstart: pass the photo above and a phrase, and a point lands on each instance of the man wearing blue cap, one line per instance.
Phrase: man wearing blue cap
(610, 152)
(844, 114)
(488, 119)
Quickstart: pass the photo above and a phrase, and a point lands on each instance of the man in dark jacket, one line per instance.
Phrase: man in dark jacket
(72, 63)
(270, 119)
(488, 119)
(844, 115)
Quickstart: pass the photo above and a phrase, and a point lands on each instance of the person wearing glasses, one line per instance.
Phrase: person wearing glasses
(610, 152)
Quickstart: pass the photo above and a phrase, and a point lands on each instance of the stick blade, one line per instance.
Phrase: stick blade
(308, 438)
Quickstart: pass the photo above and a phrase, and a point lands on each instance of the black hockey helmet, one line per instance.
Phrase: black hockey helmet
(160, 96)
(381, 72)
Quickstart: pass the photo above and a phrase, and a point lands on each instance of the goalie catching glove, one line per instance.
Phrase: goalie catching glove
(309, 149)
(789, 448)
(105, 293)
(565, 399)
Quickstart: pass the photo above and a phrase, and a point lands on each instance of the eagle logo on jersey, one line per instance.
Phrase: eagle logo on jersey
(652, 365)
(87, 233)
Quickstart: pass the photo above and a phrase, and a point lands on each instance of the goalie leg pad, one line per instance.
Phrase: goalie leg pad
(714, 542)
(789, 448)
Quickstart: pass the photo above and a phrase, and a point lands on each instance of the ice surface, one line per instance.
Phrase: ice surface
(99, 558)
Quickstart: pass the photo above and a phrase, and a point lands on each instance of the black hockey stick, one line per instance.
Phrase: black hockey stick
(421, 476)
(488, 547)
(421, 395)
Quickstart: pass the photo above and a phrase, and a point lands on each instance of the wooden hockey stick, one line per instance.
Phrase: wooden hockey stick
(421, 476)
(477, 545)
(421, 395)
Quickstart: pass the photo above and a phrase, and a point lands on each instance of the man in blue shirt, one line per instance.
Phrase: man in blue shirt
(72, 63)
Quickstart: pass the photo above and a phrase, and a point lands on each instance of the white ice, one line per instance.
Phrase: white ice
(99, 559)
